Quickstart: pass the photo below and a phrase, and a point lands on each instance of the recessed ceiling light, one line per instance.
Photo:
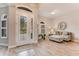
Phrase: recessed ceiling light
(52, 13)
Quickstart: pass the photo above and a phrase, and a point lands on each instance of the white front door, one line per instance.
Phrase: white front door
(23, 30)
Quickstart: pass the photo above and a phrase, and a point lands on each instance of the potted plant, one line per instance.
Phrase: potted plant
(42, 36)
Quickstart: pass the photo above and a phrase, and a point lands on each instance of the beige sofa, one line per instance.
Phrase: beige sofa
(61, 36)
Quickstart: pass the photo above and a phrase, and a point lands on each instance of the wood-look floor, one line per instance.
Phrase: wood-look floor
(44, 48)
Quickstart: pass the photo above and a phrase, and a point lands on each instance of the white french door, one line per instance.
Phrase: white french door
(22, 28)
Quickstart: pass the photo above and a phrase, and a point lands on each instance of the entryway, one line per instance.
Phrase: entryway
(24, 27)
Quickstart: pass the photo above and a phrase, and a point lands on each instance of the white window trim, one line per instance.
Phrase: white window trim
(2, 19)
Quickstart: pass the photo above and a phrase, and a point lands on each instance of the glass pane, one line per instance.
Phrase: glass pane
(42, 26)
(23, 25)
(4, 23)
(3, 32)
(31, 28)
(43, 29)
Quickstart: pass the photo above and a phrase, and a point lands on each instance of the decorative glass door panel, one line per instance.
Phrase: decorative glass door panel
(23, 27)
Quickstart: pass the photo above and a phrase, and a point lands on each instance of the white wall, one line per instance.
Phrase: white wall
(72, 20)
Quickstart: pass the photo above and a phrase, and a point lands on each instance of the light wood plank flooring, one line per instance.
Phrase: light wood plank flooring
(43, 48)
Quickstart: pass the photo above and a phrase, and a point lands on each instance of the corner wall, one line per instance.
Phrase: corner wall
(12, 23)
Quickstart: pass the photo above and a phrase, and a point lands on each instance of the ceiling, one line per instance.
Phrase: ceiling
(59, 9)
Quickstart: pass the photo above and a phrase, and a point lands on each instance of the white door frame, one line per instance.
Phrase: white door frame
(29, 16)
